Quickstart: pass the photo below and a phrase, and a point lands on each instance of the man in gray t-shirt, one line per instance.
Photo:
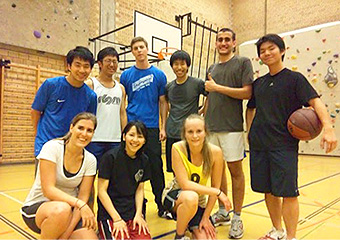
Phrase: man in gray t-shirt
(229, 82)
(183, 95)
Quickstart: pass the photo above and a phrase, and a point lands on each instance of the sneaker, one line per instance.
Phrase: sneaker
(183, 238)
(165, 214)
(236, 229)
(219, 219)
(274, 234)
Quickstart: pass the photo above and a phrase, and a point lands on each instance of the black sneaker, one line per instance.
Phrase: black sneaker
(165, 214)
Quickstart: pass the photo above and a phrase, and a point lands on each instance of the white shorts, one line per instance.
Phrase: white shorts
(231, 143)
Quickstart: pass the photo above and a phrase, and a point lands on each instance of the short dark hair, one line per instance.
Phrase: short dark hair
(180, 55)
(233, 34)
(138, 39)
(141, 129)
(82, 53)
(108, 51)
(273, 38)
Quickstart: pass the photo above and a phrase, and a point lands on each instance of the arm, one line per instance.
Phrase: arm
(123, 116)
(250, 114)
(328, 140)
(139, 218)
(35, 116)
(204, 108)
(89, 83)
(164, 108)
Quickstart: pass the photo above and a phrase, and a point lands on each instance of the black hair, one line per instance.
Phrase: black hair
(180, 55)
(108, 51)
(141, 129)
(233, 34)
(273, 38)
(82, 53)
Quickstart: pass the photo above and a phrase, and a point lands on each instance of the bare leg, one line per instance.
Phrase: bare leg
(53, 218)
(290, 212)
(83, 233)
(238, 184)
(197, 234)
(274, 206)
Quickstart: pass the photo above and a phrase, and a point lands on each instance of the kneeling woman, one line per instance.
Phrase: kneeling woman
(122, 173)
(193, 161)
(57, 206)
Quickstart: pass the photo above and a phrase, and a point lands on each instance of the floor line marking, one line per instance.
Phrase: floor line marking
(10, 197)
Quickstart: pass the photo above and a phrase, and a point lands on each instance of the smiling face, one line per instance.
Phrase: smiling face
(82, 132)
(194, 132)
(79, 69)
(108, 65)
(270, 54)
(133, 141)
(224, 43)
(180, 68)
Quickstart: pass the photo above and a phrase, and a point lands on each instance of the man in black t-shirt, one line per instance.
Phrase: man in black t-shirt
(273, 151)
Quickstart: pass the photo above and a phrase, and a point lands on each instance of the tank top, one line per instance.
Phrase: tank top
(108, 112)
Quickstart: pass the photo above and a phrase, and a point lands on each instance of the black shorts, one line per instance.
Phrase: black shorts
(28, 214)
(169, 203)
(274, 172)
(168, 147)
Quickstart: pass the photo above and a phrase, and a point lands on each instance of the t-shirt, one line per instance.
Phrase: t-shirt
(124, 175)
(143, 88)
(183, 99)
(59, 103)
(224, 113)
(275, 98)
(54, 151)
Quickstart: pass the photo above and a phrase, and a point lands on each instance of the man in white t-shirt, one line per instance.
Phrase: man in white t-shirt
(111, 113)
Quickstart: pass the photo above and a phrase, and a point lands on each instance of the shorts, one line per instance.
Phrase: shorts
(168, 148)
(231, 143)
(169, 204)
(28, 214)
(274, 172)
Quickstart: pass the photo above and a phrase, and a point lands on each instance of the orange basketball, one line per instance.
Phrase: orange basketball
(304, 124)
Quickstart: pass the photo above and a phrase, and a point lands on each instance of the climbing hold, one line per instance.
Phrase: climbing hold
(314, 79)
(293, 57)
(318, 30)
(14, 5)
(336, 55)
(307, 49)
(294, 68)
(48, 36)
(331, 79)
(292, 36)
(309, 70)
(313, 64)
(324, 51)
(330, 62)
(337, 104)
(37, 34)
(260, 62)
(319, 58)
(297, 50)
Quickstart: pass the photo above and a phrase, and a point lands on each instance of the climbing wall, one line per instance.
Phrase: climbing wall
(313, 51)
(54, 26)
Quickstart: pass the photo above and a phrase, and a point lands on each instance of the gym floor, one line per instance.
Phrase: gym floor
(319, 180)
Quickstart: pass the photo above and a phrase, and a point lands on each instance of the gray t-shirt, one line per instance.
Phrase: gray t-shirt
(183, 99)
(224, 113)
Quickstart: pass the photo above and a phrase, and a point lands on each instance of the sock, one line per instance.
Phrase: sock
(177, 236)
(237, 216)
(222, 210)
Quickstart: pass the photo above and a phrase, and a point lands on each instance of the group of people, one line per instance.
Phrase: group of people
(124, 143)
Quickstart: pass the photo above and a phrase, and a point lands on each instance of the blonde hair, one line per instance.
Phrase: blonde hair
(206, 152)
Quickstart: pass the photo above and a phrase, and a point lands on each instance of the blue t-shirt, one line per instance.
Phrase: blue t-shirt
(144, 87)
(59, 102)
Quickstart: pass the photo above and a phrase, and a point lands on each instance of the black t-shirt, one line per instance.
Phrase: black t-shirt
(275, 98)
(124, 175)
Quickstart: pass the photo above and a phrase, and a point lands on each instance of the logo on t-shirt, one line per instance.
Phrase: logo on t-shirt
(105, 99)
(139, 175)
(142, 83)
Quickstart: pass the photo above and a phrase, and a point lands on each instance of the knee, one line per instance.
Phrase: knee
(190, 198)
(61, 212)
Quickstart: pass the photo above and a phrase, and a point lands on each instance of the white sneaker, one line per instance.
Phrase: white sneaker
(275, 234)
(236, 229)
(220, 219)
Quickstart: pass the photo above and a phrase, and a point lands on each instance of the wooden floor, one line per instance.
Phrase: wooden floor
(319, 181)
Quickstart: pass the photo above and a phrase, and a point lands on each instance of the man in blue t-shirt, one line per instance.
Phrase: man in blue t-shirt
(59, 99)
(145, 87)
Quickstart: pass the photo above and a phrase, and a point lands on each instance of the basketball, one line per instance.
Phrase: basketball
(304, 124)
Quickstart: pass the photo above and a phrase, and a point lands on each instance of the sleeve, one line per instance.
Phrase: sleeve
(247, 72)
(209, 70)
(147, 169)
(252, 101)
(122, 79)
(92, 108)
(50, 151)
(41, 98)
(162, 83)
(91, 165)
(105, 166)
(304, 90)
(166, 91)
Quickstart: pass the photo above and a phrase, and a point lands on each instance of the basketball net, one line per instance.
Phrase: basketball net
(165, 53)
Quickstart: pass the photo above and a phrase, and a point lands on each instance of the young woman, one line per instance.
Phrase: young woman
(56, 206)
(122, 173)
(194, 160)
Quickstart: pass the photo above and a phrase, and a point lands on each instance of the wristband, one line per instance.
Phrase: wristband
(117, 221)
(82, 206)
(219, 193)
(75, 204)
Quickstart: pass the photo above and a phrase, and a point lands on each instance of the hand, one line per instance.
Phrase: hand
(120, 227)
(210, 84)
(209, 229)
(328, 140)
(225, 200)
(87, 217)
(140, 221)
(162, 135)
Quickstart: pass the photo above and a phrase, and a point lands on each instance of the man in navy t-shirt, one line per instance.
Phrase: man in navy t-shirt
(145, 87)
(59, 99)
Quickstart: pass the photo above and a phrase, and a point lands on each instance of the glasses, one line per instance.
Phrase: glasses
(108, 61)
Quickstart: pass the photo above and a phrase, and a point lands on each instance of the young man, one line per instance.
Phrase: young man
(229, 82)
(111, 113)
(183, 95)
(145, 88)
(59, 99)
(273, 151)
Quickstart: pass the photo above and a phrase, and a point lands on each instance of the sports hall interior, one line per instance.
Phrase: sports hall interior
(35, 36)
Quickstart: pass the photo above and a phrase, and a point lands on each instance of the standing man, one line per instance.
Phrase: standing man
(145, 88)
(183, 95)
(59, 99)
(229, 82)
(111, 113)
(273, 151)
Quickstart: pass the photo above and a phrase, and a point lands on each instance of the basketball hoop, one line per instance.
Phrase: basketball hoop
(166, 52)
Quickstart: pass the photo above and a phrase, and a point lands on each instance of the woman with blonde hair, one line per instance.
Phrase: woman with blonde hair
(56, 207)
(194, 160)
